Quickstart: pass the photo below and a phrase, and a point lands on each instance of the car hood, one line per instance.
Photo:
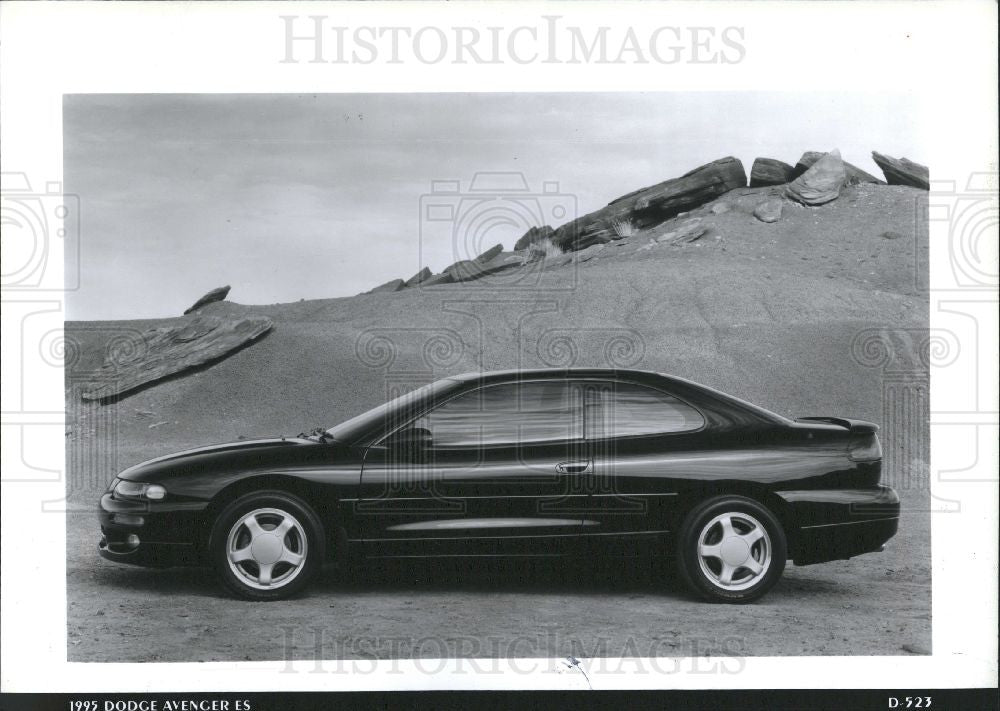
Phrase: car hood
(249, 447)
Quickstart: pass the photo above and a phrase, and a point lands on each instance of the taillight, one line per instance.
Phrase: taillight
(865, 448)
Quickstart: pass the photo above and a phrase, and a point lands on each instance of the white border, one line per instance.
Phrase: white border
(945, 53)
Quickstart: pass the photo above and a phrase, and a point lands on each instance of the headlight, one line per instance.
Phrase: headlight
(125, 489)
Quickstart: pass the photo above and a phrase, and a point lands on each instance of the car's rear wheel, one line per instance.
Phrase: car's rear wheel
(732, 549)
(266, 545)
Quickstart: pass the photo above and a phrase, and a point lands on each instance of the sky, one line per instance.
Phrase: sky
(287, 197)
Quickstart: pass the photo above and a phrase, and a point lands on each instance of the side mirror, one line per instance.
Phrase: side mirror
(409, 439)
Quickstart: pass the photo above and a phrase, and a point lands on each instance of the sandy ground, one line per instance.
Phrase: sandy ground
(777, 314)
(877, 604)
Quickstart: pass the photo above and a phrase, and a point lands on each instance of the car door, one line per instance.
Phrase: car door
(494, 470)
(642, 442)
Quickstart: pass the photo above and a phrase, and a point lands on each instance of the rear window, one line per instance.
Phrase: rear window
(628, 410)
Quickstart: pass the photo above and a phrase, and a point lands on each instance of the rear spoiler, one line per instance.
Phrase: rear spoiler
(854, 426)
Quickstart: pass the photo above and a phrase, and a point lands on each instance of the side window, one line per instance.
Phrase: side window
(627, 410)
(515, 413)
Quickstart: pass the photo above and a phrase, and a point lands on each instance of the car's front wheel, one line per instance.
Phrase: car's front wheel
(732, 549)
(266, 545)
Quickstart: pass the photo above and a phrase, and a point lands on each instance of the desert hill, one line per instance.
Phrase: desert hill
(774, 312)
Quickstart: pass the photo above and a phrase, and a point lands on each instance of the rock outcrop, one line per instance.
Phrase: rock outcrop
(690, 230)
(442, 278)
(503, 260)
(768, 171)
(535, 234)
(854, 174)
(465, 270)
(217, 294)
(418, 278)
(769, 210)
(472, 269)
(821, 183)
(161, 352)
(489, 254)
(646, 208)
(388, 287)
(670, 213)
(901, 171)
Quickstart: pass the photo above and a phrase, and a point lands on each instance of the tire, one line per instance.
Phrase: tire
(750, 554)
(254, 563)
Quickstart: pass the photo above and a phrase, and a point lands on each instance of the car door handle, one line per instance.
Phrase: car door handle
(577, 467)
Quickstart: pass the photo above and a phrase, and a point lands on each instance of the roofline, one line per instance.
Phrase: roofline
(519, 373)
(516, 375)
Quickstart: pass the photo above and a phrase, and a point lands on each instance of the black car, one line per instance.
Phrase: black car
(519, 463)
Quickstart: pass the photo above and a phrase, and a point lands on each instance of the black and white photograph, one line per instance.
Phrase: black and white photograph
(582, 387)
(606, 375)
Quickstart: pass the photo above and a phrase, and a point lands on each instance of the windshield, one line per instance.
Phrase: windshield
(353, 428)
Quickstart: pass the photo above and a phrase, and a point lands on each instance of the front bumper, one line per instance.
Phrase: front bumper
(837, 524)
(154, 534)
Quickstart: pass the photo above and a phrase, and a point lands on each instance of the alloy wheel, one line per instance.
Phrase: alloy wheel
(734, 551)
(267, 548)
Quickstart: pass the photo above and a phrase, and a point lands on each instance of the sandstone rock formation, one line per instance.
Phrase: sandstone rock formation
(418, 278)
(821, 183)
(542, 250)
(690, 230)
(535, 234)
(768, 171)
(442, 278)
(503, 260)
(585, 255)
(651, 206)
(162, 352)
(659, 214)
(388, 287)
(769, 211)
(901, 171)
(217, 294)
(472, 269)
(854, 174)
(464, 270)
(489, 254)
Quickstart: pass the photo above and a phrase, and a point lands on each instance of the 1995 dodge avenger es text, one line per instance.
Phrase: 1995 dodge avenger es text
(519, 463)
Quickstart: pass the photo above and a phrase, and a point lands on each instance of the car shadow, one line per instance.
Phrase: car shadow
(499, 575)
(543, 576)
